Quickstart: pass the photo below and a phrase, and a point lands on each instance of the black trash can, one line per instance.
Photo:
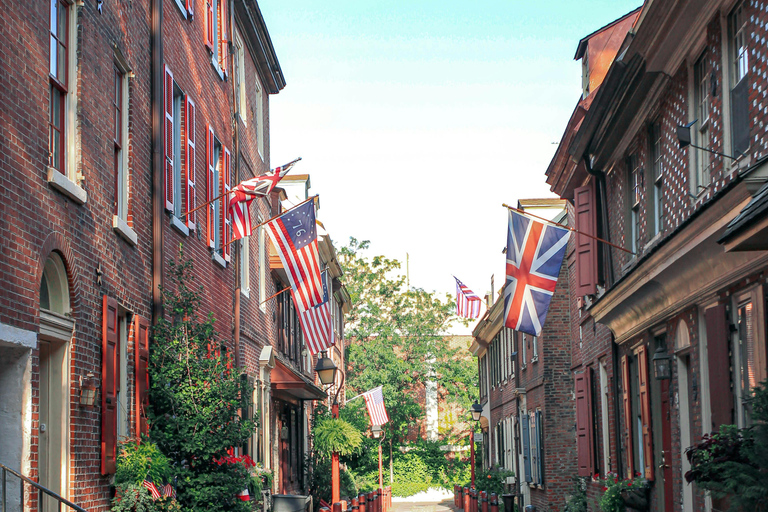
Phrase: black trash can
(509, 502)
(291, 503)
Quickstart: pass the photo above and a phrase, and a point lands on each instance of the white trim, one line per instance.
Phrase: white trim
(66, 186)
(122, 228)
(182, 8)
(179, 225)
(218, 260)
(17, 336)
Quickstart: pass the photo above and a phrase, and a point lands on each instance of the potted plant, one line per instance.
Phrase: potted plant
(142, 479)
(618, 494)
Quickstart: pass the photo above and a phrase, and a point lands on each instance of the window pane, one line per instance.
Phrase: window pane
(54, 66)
(61, 73)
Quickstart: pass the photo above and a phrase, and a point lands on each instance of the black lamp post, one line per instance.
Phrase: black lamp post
(477, 410)
(326, 369)
(661, 368)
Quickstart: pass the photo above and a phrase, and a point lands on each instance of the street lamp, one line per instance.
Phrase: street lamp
(477, 411)
(661, 368)
(378, 434)
(326, 369)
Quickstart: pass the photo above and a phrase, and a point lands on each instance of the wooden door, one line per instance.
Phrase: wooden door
(665, 464)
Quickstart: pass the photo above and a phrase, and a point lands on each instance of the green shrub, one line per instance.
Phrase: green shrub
(139, 461)
(136, 498)
(491, 480)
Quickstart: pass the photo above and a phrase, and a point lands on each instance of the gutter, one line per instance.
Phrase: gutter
(156, 74)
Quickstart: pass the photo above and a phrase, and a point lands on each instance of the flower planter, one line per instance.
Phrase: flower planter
(636, 499)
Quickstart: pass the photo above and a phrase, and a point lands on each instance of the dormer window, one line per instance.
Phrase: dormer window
(585, 74)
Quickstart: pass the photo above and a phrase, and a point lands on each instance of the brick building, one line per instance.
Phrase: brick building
(119, 118)
(691, 291)
(525, 390)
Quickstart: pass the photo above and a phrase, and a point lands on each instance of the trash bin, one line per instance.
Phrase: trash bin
(509, 502)
(530, 508)
(291, 503)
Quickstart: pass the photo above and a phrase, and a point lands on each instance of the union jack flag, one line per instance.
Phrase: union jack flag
(294, 234)
(316, 323)
(241, 197)
(374, 401)
(534, 255)
(467, 303)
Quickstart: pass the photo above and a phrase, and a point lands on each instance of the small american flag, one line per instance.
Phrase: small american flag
(241, 197)
(316, 323)
(169, 491)
(467, 303)
(374, 401)
(294, 234)
(152, 488)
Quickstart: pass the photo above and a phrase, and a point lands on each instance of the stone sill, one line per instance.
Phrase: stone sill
(124, 230)
(66, 186)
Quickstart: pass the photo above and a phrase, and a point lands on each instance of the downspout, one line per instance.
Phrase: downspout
(157, 159)
(236, 152)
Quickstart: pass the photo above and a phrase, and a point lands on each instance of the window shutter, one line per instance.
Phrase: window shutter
(525, 427)
(209, 20)
(539, 440)
(210, 182)
(191, 7)
(645, 410)
(534, 448)
(721, 395)
(141, 365)
(109, 380)
(584, 432)
(740, 116)
(627, 415)
(168, 129)
(224, 36)
(226, 220)
(189, 160)
(586, 247)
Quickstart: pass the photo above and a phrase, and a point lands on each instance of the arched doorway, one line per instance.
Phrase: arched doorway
(56, 329)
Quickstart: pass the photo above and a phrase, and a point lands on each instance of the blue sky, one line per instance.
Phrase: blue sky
(417, 120)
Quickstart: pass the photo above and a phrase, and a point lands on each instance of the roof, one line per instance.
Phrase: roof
(256, 37)
(755, 209)
(582, 46)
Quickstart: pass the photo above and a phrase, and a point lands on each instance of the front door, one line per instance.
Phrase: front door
(52, 426)
(665, 467)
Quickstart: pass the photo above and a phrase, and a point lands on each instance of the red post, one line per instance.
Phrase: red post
(494, 502)
(381, 470)
(466, 506)
(484, 501)
(460, 504)
(355, 505)
(361, 500)
(335, 482)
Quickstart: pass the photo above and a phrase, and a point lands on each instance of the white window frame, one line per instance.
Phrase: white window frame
(245, 266)
(259, 115)
(122, 398)
(534, 349)
(239, 74)
(261, 233)
(702, 112)
(605, 396)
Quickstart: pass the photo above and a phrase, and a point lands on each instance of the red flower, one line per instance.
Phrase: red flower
(629, 484)
(605, 489)
(615, 480)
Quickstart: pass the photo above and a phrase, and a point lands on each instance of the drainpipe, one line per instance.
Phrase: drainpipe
(236, 154)
(157, 158)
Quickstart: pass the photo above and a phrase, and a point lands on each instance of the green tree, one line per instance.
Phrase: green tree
(195, 395)
(398, 339)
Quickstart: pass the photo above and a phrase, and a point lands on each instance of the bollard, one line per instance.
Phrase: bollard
(369, 501)
(337, 507)
(362, 502)
(474, 500)
(483, 501)
(460, 497)
(493, 501)
(455, 495)
(379, 498)
(355, 506)
(467, 507)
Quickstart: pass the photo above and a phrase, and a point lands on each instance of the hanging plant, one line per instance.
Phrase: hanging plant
(336, 435)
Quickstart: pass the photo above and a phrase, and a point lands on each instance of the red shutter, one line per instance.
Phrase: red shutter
(189, 130)
(584, 431)
(586, 247)
(191, 7)
(210, 190)
(720, 392)
(141, 364)
(645, 410)
(627, 415)
(223, 35)
(209, 20)
(109, 380)
(168, 129)
(226, 220)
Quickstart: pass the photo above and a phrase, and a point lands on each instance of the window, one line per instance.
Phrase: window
(482, 362)
(535, 349)
(638, 442)
(656, 202)
(259, 114)
(635, 191)
(186, 7)
(123, 425)
(219, 226)
(605, 397)
(537, 470)
(748, 353)
(240, 89)
(179, 149)
(290, 339)
(245, 267)
(110, 383)
(59, 84)
(262, 265)
(523, 350)
(702, 105)
(738, 60)
(216, 34)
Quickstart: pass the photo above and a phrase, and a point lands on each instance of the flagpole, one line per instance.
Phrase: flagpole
(567, 227)
(274, 295)
(193, 210)
(273, 218)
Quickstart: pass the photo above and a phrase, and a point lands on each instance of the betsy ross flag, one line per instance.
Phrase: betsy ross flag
(241, 197)
(294, 234)
(316, 323)
(374, 401)
(467, 303)
(534, 255)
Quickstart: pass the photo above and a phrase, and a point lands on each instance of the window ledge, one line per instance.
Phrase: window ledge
(218, 260)
(652, 241)
(245, 293)
(535, 359)
(182, 8)
(216, 66)
(66, 186)
(124, 230)
(179, 225)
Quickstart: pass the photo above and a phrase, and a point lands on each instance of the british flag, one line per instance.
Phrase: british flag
(534, 255)
(241, 197)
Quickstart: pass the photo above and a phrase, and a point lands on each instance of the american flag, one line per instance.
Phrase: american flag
(152, 488)
(241, 197)
(374, 401)
(294, 234)
(534, 255)
(316, 323)
(169, 491)
(467, 303)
